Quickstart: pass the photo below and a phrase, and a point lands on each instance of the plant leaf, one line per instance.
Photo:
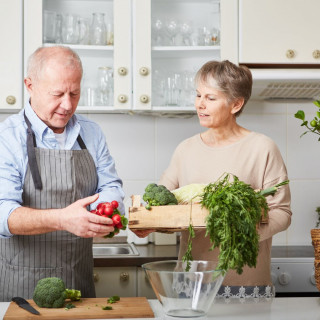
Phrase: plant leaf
(317, 103)
(300, 115)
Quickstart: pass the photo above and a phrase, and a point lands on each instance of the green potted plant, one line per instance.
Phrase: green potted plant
(313, 127)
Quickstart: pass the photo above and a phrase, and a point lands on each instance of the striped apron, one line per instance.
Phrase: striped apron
(54, 179)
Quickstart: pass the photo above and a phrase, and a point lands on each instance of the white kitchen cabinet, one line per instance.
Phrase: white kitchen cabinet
(141, 63)
(279, 32)
(110, 281)
(11, 55)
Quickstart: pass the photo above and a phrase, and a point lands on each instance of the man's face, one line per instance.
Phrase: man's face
(54, 96)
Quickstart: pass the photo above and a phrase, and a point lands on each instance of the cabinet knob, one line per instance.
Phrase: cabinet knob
(122, 98)
(316, 54)
(144, 98)
(144, 71)
(11, 100)
(290, 54)
(122, 71)
(96, 277)
(124, 276)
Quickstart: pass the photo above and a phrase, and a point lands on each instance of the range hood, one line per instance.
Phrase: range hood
(285, 84)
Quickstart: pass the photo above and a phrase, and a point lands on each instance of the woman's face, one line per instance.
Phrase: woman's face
(212, 107)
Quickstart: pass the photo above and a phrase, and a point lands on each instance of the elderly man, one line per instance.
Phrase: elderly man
(54, 165)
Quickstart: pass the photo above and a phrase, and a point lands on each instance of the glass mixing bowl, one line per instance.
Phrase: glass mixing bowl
(184, 294)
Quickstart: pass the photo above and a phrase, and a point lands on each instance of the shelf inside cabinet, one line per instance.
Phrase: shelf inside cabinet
(183, 51)
(81, 47)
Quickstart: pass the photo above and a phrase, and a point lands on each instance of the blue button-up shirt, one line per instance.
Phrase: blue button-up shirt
(14, 159)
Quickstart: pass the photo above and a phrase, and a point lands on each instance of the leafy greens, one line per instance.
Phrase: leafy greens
(235, 209)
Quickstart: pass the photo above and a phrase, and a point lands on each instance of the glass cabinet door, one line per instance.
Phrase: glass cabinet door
(177, 38)
(138, 55)
(88, 27)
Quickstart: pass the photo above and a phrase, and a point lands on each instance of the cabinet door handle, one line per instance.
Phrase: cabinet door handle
(122, 71)
(122, 98)
(144, 71)
(290, 54)
(96, 277)
(124, 276)
(316, 54)
(144, 98)
(11, 100)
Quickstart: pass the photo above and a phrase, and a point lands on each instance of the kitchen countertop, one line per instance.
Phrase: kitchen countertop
(275, 309)
(151, 252)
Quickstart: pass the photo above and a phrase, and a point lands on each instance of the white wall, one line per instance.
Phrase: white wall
(142, 147)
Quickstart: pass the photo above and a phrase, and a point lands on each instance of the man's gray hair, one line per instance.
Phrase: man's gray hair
(42, 55)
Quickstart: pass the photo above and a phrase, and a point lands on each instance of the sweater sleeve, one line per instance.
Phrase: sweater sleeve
(279, 204)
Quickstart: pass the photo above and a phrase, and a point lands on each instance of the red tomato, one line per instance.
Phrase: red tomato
(115, 204)
(108, 210)
(116, 219)
(93, 211)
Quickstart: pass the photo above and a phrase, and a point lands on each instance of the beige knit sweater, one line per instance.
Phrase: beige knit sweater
(256, 160)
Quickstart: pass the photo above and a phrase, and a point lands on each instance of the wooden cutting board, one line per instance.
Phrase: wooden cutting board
(87, 308)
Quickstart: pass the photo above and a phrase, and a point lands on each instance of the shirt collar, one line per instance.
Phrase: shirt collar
(40, 129)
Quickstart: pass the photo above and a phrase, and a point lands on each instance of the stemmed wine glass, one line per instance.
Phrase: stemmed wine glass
(186, 30)
(157, 32)
(172, 30)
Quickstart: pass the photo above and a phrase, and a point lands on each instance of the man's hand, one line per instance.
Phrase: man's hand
(78, 220)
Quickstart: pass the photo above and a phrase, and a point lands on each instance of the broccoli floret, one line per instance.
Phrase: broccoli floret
(158, 195)
(52, 293)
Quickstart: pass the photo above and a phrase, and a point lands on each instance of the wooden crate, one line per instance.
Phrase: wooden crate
(167, 218)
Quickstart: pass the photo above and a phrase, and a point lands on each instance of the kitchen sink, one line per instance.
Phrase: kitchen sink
(114, 249)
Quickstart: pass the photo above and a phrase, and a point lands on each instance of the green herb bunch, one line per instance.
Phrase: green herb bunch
(234, 211)
(314, 125)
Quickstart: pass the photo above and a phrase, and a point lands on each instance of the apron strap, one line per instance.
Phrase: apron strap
(81, 143)
(31, 144)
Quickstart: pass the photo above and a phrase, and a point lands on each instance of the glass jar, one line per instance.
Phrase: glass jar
(98, 30)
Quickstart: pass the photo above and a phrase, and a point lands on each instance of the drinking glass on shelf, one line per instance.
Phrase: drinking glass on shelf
(90, 96)
(70, 29)
(205, 34)
(172, 89)
(187, 89)
(110, 34)
(215, 36)
(98, 29)
(157, 32)
(186, 31)
(49, 26)
(84, 31)
(59, 28)
(105, 84)
(172, 30)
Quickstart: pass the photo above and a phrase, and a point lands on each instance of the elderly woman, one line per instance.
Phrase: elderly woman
(223, 89)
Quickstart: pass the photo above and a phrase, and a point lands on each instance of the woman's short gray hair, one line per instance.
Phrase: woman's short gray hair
(42, 55)
(234, 81)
